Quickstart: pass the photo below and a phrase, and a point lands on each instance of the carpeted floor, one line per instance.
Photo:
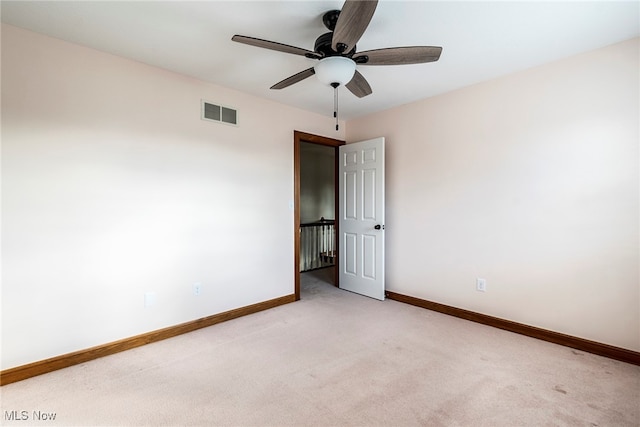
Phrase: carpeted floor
(333, 359)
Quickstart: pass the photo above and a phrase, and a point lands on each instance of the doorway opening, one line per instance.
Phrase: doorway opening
(301, 141)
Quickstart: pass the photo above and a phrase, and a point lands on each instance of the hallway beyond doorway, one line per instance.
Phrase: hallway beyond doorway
(312, 282)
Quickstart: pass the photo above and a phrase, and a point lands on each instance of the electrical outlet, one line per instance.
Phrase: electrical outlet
(197, 288)
(481, 285)
(150, 299)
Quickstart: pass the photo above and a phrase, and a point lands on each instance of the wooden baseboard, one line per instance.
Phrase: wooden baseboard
(600, 349)
(23, 372)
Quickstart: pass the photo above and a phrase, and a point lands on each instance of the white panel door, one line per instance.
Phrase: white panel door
(361, 217)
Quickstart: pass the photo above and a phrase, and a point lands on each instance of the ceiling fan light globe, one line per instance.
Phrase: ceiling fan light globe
(335, 69)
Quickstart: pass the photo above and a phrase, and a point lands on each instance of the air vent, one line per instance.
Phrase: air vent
(219, 113)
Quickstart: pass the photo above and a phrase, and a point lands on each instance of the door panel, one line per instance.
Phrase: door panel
(350, 254)
(369, 194)
(361, 217)
(369, 256)
(350, 197)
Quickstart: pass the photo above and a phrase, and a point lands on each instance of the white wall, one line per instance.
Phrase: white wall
(317, 182)
(530, 181)
(113, 186)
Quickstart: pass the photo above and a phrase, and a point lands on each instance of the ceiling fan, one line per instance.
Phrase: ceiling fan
(336, 50)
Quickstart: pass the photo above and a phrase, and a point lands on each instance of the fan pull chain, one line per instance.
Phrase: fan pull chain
(335, 102)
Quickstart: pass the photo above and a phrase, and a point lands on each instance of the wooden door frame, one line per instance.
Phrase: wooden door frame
(299, 137)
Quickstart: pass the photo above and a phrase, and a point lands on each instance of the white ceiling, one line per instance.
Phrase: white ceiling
(480, 40)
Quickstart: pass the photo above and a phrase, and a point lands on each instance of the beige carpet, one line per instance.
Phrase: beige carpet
(334, 359)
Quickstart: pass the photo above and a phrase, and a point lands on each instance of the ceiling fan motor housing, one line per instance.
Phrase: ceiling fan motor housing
(323, 47)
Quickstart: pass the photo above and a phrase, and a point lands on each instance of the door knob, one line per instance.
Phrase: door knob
(378, 227)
